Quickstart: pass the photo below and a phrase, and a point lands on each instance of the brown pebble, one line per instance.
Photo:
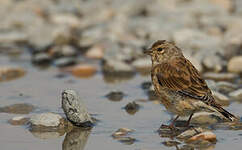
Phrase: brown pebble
(207, 136)
(122, 132)
(95, 52)
(81, 70)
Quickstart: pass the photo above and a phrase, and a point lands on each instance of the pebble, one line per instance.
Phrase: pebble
(220, 76)
(95, 52)
(63, 35)
(41, 59)
(131, 108)
(221, 98)
(21, 108)
(115, 95)
(65, 61)
(207, 136)
(47, 122)
(81, 70)
(190, 133)
(18, 120)
(234, 64)
(117, 68)
(11, 73)
(226, 87)
(213, 62)
(237, 94)
(207, 118)
(62, 51)
(142, 64)
(75, 109)
(122, 132)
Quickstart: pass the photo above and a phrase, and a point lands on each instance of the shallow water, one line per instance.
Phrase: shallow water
(42, 88)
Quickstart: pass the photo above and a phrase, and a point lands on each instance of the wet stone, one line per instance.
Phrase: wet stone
(18, 120)
(207, 118)
(11, 73)
(41, 59)
(115, 95)
(213, 62)
(204, 136)
(190, 133)
(122, 132)
(82, 70)
(220, 76)
(65, 61)
(117, 68)
(75, 109)
(142, 64)
(131, 108)
(47, 122)
(17, 108)
(63, 51)
(95, 52)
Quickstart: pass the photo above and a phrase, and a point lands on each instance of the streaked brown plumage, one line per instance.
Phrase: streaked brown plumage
(178, 83)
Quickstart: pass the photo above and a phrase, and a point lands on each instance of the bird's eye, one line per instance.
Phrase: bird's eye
(159, 49)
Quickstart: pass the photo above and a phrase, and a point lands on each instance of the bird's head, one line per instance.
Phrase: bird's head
(162, 51)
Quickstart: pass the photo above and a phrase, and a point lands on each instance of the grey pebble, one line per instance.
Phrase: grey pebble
(131, 108)
(115, 95)
(41, 59)
(75, 109)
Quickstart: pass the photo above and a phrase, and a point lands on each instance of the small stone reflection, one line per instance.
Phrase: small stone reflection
(76, 139)
(117, 77)
(47, 135)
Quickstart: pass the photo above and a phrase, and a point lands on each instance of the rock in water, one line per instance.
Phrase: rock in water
(75, 110)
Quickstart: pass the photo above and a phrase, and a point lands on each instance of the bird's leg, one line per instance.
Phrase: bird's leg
(188, 121)
(171, 125)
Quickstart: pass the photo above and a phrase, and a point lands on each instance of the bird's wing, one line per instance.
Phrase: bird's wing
(181, 76)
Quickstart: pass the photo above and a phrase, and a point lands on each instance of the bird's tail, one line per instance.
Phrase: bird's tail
(225, 113)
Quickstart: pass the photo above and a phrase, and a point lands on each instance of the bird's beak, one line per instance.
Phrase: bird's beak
(148, 51)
